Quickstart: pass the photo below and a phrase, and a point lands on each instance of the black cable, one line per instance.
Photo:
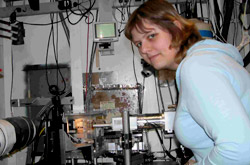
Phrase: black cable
(140, 91)
(46, 144)
(122, 14)
(246, 60)
(188, 12)
(170, 144)
(133, 51)
(177, 92)
(157, 95)
(147, 140)
(170, 93)
(46, 24)
(83, 14)
(194, 10)
(49, 105)
(53, 43)
(73, 23)
(56, 59)
(128, 8)
(142, 95)
(5, 30)
(73, 12)
(235, 23)
(96, 16)
(11, 84)
(87, 18)
(55, 48)
(46, 59)
(161, 97)
(176, 7)
(122, 19)
(89, 81)
(45, 118)
(65, 27)
(201, 9)
(161, 141)
(217, 21)
(36, 141)
(229, 5)
(122, 11)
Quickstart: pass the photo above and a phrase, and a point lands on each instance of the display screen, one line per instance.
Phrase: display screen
(105, 30)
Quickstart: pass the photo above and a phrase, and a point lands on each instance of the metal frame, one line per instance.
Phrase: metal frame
(52, 7)
(45, 8)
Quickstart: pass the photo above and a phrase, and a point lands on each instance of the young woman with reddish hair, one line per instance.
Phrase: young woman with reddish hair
(212, 116)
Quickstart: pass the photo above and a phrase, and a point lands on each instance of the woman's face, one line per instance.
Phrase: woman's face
(154, 46)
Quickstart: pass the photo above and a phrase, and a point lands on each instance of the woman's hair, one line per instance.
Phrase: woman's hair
(163, 14)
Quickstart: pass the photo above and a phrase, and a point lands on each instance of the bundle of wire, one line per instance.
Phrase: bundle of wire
(9, 29)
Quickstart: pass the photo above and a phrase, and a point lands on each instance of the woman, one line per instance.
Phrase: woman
(212, 117)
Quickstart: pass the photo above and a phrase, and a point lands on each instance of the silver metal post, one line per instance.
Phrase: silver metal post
(126, 134)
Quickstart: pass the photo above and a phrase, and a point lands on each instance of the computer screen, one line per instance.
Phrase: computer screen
(105, 32)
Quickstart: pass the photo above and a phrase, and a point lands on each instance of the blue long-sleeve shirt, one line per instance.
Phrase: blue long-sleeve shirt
(213, 114)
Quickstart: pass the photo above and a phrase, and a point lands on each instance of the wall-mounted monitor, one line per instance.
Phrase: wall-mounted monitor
(105, 32)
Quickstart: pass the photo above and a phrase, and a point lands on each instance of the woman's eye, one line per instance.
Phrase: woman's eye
(151, 36)
(138, 45)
